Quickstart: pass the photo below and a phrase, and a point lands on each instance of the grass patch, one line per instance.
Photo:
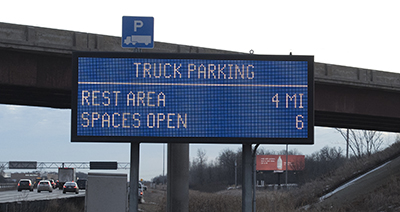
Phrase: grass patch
(386, 198)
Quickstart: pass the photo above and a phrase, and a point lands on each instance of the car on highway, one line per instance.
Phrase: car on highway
(143, 186)
(25, 184)
(57, 184)
(53, 183)
(70, 187)
(141, 192)
(44, 185)
(81, 183)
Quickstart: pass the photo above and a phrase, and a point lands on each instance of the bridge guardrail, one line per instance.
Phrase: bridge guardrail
(7, 186)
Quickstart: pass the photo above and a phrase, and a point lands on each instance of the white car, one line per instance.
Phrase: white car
(142, 186)
(44, 185)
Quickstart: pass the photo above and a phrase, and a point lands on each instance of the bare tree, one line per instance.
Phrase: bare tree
(297, 165)
(322, 162)
(199, 166)
(263, 151)
(201, 157)
(226, 161)
(362, 142)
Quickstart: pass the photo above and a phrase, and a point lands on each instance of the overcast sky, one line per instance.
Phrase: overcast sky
(360, 34)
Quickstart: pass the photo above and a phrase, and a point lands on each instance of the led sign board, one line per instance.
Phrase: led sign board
(22, 164)
(193, 98)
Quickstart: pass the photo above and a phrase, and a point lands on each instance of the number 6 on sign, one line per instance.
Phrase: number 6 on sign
(299, 122)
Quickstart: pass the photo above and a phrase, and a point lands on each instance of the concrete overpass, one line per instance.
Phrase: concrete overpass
(35, 70)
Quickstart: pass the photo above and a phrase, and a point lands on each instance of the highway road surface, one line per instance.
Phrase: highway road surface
(25, 195)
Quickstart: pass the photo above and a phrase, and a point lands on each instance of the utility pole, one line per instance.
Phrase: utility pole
(286, 180)
(236, 173)
(163, 162)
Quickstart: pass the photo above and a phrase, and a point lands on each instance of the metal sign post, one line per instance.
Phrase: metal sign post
(178, 177)
(247, 178)
(137, 33)
(254, 175)
(134, 178)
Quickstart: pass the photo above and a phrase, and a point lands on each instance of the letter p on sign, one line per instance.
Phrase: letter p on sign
(137, 24)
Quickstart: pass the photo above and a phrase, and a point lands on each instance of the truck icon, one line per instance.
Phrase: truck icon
(146, 39)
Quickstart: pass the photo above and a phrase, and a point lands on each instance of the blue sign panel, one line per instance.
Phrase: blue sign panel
(193, 98)
(137, 32)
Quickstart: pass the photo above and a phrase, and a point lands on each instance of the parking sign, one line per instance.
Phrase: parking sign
(137, 32)
(204, 98)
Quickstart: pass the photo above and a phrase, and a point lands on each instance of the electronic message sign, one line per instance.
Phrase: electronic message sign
(22, 164)
(192, 98)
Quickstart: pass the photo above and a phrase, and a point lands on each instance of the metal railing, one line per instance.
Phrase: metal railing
(7, 185)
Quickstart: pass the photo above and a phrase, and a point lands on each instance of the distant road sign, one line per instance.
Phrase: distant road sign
(103, 165)
(150, 97)
(137, 32)
(22, 165)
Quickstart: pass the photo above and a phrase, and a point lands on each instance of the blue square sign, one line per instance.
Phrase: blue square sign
(137, 32)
